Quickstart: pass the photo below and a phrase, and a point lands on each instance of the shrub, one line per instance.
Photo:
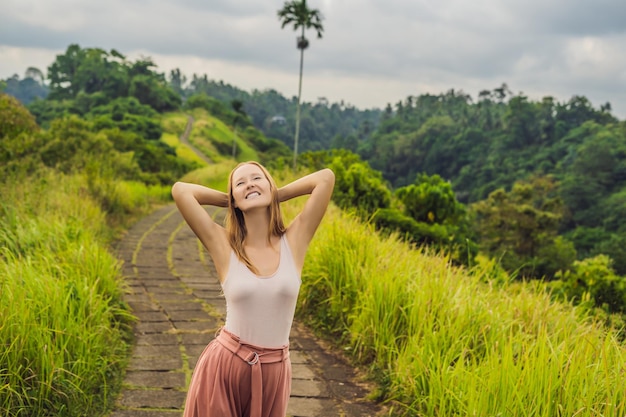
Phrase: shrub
(594, 282)
(359, 187)
(412, 230)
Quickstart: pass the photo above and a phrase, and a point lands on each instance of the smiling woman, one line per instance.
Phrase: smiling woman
(246, 370)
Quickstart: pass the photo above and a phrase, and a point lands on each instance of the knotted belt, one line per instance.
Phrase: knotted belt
(253, 356)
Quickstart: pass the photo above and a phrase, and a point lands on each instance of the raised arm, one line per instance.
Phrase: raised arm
(320, 186)
(189, 199)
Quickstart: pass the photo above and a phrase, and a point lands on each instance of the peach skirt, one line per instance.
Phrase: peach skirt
(232, 379)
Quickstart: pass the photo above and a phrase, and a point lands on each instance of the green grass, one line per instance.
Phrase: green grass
(215, 139)
(442, 341)
(64, 329)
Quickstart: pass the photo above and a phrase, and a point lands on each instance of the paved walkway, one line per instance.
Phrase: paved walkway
(174, 292)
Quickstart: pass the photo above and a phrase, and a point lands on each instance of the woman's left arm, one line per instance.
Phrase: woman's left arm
(320, 186)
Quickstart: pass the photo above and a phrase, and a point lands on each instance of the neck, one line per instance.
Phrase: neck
(257, 226)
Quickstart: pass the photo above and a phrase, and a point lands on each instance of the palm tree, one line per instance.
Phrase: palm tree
(297, 13)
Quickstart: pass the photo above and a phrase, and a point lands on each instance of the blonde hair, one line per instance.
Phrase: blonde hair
(235, 222)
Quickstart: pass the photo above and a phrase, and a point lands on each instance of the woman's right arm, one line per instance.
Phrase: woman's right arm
(189, 199)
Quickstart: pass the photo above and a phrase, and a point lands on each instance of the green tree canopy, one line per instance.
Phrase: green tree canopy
(431, 200)
(520, 228)
(19, 141)
(94, 72)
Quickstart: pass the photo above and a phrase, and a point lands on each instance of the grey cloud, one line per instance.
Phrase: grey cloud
(572, 17)
(206, 34)
(482, 41)
(231, 8)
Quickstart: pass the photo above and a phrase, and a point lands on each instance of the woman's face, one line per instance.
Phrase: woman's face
(250, 188)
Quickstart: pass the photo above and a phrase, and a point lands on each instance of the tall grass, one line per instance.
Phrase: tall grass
(441, 341)
(63, 324)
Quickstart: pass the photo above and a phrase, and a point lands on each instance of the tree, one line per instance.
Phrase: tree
(19, 141)
(14, 118)
(297, 13)
(26, 90)
(177, 81)
(35, 74)
(520, 228)
(240, 113)
(594, 281)
(430, 199)
(358, 186)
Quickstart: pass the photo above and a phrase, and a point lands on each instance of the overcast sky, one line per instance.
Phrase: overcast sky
(373, 52)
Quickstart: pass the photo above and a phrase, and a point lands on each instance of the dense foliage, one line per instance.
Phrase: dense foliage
(572, 155)
(322, 125)
(424, 213)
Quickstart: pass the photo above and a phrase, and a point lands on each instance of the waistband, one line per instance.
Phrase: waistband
(253, 356)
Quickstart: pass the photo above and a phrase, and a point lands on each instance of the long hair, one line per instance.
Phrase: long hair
(235, 222)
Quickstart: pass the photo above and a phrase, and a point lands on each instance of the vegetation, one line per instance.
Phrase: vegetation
(426, 212)
(28, 89)
(496, 281)
(520, 228)
(440, 340)
(65, 329)
(67, 192)
(215, 137)
(298, 14)
(322, 125)
(173, 125)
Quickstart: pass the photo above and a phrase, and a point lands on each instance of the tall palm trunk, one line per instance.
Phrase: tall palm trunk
(295, 144)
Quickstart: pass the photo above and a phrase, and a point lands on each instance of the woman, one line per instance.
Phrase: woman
(246, 370)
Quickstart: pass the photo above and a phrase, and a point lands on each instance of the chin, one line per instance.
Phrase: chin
(255, 205)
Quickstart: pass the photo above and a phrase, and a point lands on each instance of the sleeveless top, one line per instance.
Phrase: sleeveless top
(260, 309)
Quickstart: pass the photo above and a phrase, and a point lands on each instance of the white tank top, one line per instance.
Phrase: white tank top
(260, 309)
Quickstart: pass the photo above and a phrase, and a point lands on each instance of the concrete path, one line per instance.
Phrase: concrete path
(174, 292)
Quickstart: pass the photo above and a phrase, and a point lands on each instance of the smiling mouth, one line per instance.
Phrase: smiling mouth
(253, 194)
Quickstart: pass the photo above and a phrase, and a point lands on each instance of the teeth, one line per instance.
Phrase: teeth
(254, 194)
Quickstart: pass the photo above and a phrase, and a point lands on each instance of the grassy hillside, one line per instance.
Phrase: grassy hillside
(173, 126)
(215, 138)
(444, 341)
